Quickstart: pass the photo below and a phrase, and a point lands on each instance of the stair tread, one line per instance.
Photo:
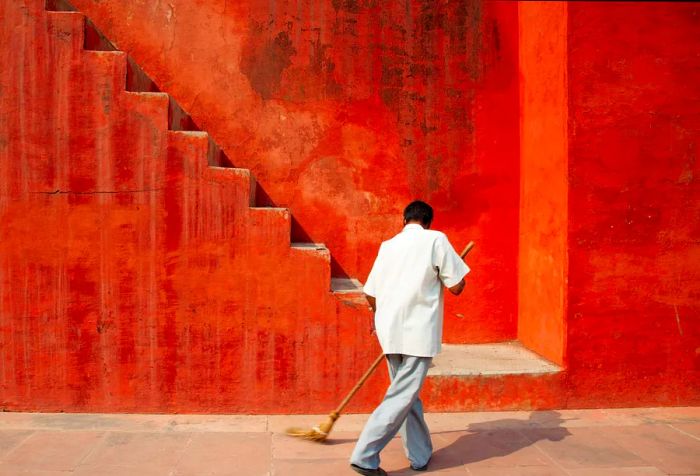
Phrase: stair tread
(346, 285)
(148, 94)
(502, 358)
(310, 246)
(284, 209)
(107, 53)
(66, 13)
(189, 133)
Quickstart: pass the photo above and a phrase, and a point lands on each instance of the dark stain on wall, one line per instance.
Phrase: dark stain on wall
(353, 6)
(432, 60)
(264, 60)
(322, 66)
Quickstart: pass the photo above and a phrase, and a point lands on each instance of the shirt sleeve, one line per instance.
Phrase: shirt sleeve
(370, 287)
(451, 267)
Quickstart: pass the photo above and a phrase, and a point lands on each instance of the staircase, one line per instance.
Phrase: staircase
(138, 274)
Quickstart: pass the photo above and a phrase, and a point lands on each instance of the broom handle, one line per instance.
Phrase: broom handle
(376, 363)
(467, 249)
(359, 384)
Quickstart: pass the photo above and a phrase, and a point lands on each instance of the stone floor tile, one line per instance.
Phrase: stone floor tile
(53, 450)
(316, 466)
(133, 422)
(150, 451)
(692, 429)
(659, 414)
(340, 445)
(350, 422)
(454, 471)
(14, 470)
(642, 471)
(214, 423)
(87, 421)
(441, 422)
(10, 439)
(661, 446)
(517, 471)
(584, 448)
(678, 413)
(16, 420)
(492, 447)
(627, 442)
(100, 469)
(393, 458)
(226, 454)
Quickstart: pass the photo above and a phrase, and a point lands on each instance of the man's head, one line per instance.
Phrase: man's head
(418, 212)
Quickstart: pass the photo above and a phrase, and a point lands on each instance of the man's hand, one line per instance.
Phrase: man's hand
(372, 302)
(373, 307)
(457, 288)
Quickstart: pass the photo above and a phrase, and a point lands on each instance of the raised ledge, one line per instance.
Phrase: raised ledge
(503, 358)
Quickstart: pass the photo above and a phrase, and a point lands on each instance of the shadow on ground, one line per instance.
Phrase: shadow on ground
(495, 439)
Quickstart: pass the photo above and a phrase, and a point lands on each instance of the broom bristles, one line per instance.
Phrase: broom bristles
(317, 433)
(314, 434)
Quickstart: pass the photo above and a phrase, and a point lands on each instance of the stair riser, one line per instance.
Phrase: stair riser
(269, 230)
(67, 29)
(491, 393)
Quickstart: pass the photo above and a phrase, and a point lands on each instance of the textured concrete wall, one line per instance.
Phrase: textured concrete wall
(346, 110)
(634, 203)
(542, 267)
(133, 277)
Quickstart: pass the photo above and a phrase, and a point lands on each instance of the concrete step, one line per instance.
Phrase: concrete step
(67, 27)
(153, 106)
(314, 260)
(346, 286)
(241, 178)
(187, 153)
(107, 66)
(270, 228)
(502, 358)
(310, 246)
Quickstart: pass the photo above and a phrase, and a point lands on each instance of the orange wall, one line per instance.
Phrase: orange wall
(634, 203)
(133, 277)
(542, 264)
(346, 111)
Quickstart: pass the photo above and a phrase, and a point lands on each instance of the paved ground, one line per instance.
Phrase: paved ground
(625, 442)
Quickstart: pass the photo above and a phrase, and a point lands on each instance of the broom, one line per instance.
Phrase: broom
(320, 432)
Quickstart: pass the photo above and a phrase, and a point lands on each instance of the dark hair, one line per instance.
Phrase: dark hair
(418, 211)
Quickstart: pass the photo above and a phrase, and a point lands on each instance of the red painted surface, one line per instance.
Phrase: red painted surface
(345, 110)
(634, 203)
(133, 277)
(543, 179)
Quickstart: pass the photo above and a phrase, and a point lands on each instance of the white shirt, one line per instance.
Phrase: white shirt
(407, 281)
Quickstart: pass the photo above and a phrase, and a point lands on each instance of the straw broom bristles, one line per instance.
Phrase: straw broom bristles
(317, 433)
(320, 433)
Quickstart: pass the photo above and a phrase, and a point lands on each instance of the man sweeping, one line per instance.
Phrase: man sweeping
(405, 291)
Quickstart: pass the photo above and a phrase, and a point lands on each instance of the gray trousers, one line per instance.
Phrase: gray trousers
(401, 411)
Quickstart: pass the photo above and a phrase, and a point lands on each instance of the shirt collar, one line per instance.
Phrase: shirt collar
(412, 226)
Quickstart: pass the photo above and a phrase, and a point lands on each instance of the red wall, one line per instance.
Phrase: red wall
(634, 203)
(133, 277)
(347, 110)
(543, 240)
